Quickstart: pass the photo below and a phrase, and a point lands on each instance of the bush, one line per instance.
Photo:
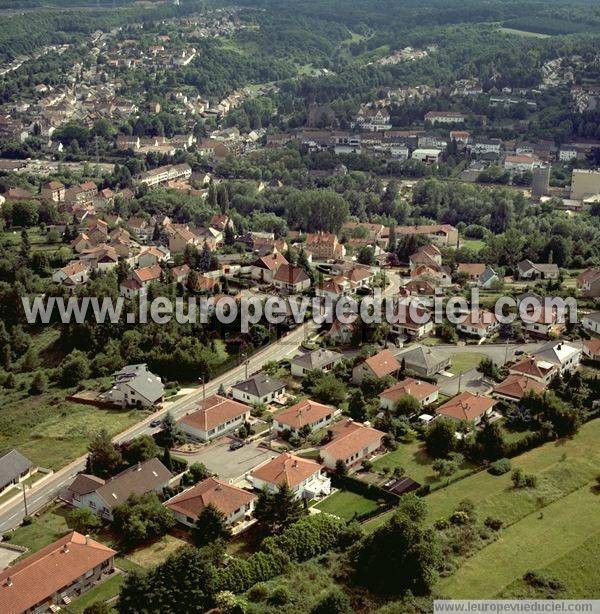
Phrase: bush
(459, 517)
(441, 524)
(258, 592)
(538, 579)
(27, 520)
(500, 467)
(493, 523)
(280, 596)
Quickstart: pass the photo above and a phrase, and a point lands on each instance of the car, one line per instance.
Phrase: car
(236, 444)
(155, 423)
(519, 352)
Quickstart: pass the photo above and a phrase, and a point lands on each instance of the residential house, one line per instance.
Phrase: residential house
(381, 364)
(303, 476)
(234, 503)
(342, 331)
(515, 387)
(588, 282)
(541, 371)
(333, 288)
(479, 323)
(180, 237)
(74, 274)
(424, 392)
(14, 468)
(591, 349)
(543, 323)
(521, 163)
(215, 416)
(440, 234)
(427, 156)
(292, 279)
(428, 255)
(179, 274)
(444, 117)
(49, 579)
(324, 246)
(563, 354)
(102, 496)
(152, 256)
(479, 274)
(53, 191)
(260, 388)
(139, 280)
(412, 320)
(320, 359)
(305, 413)
(136, 386)
(591, 322)
(529, 270)
(351, 443)
(467, 406)
(141, 228)
(264, 269)
(82, 194)
(359, 277)
(423, 360)
(103, 257)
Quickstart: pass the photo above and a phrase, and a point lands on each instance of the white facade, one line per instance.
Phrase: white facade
(313, 486)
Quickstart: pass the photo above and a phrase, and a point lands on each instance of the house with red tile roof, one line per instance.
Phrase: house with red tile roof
(591, 349)
(139, 280)
(539, 370)
(481, 323)
(588, 282)
(48, 579)
(381, 364)
(293, 279)
(515, 387)
(303, 476)
(324, 246)
(424, 392)
(235, 503)
(215, 416)
(302, 414)
(467, 406)
(264, 269)
(351, 443)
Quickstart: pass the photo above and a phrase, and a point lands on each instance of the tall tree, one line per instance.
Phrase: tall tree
(210, 525)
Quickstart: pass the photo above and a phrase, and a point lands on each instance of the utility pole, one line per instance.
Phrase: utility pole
(459, 381)
(25, 499)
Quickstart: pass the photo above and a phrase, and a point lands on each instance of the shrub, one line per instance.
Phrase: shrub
(459, 517)
(280, 596)
(500, 467)
(493, 523)
(27, 520)
(538, 579)
(259, 592)
(441, 524)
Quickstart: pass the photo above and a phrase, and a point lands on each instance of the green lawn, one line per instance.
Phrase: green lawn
(346, 504)
(577, 570)
(155, 552)
(464, 361)
(531, 543)
(102, 592)
(415, 461)
(474, 244)
(43, 530)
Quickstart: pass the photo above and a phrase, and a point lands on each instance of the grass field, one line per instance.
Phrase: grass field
(524, 33)
(102, 592)
(465, 361)
(149, 555)
(577, 570)
(474, 244)
(346, 504)
(531, 543)
(45, 529)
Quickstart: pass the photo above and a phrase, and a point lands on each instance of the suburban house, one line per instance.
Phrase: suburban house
(53, 191)
(588, 282)
(260, 388)
(381, 364)
(424, 392)
(428, 255)
(542, 324)
(235, 503)
(135, 386)
(264, 269)
(423, 360)
(515, 387)
(74, 274)
(102, 496)
(565, 356)
(333, 288)
(321, 359)
(591, 322)
(441, 234)
(342, 332)
(291, 278)
(444, 117)
(180, 238)
(591, 349)
(302, 414)
(14, 468)
(52, 577)
(215, 416)
(479, 274)
(303, 476)
(351, 443)
(413, 321)
(541, 371)
(139, 280)
(467, 406)
(529, 270)
(481, 323)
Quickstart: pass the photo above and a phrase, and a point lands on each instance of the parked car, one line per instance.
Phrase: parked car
(155, 423)
(236, 444)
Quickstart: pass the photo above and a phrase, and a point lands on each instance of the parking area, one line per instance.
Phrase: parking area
(7, 556)
(230, 464)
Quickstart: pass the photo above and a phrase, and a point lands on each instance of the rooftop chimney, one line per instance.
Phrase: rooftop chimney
(8, 581)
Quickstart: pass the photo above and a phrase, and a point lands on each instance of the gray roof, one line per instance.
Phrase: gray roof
(421, 356)
(141, 478)
(526, 265)
(487, 275)
(141, 380)
(260, 385)
(317, 359)
(12, 465)
(594, 316)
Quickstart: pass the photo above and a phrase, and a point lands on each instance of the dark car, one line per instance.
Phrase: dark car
(155, 423)
(236, 444)
(519, 352)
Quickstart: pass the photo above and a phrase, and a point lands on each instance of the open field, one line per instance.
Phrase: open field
(346, 504)
(524, 33)
(45, 529)
(533, 542)
(156, 552)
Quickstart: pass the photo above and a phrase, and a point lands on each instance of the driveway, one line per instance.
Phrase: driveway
(470, 380)
(229, 464)
(7, 556)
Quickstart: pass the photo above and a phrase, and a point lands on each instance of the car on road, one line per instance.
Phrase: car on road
(155, 423)
(519, 352)
(236, 444)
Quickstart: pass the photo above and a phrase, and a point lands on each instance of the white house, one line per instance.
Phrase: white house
(351, 443)
(74, 274)
(260, 388)
(591, 322)
(424, 392)
(565, 356)
(305, 413)
(215, 416)
(135, 386)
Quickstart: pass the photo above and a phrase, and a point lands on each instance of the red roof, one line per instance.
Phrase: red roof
(213, 411)
(351, 437)
(286, 468)
(49, 570)
(412, 387)
(303, 413)
(466, 406)
(517, 386)
(382, 364)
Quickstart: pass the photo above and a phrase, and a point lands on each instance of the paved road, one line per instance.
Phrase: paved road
(470, 381)
(13, 512)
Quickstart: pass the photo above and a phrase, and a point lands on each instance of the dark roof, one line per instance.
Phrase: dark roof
(12, 465)
(401, 486)
(317, 359)
(260, 385)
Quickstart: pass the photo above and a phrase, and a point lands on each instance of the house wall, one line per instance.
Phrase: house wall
(18, 479)
(591, 325)
(216, 432)
(330, 461)
(94, 502)
(251, 399)
(389, 405)
(279, 427)
(234, 517)
(299, 489)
